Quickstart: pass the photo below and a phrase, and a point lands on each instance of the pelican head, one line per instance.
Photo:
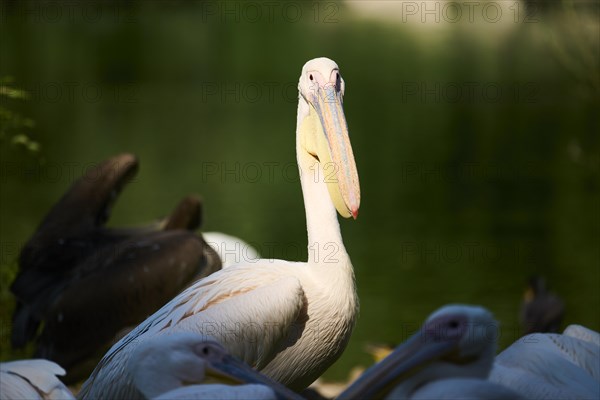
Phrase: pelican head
(470, 332)
(168, 362)
(456, 341)
(323, 132)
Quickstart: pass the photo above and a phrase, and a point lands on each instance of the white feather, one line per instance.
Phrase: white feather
(32, 379)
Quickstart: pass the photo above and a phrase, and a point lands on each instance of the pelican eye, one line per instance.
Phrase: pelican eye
(453, 324)
(205, 350)
(310, 77)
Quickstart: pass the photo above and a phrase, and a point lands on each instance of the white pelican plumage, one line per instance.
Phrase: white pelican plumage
(178, 366)
(32, 379)
(583, 333)
(552, 366)
(449, 358)
(290, 320)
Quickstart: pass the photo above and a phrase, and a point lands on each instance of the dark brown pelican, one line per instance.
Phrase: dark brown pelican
(541, 311)
(87, 283)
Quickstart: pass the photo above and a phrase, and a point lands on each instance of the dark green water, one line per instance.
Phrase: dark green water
(477, 146)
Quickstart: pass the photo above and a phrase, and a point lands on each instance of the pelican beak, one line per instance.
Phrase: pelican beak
(407, 359)
(230, 370)
(332, 148)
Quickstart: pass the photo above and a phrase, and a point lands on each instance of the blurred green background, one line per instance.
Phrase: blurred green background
(476, 138)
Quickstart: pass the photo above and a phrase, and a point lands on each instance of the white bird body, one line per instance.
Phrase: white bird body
(231, 249)
(32, 379)
(290, 320)
(265, 306)
(549, 365)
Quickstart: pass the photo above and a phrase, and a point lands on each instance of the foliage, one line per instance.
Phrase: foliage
(15, 127)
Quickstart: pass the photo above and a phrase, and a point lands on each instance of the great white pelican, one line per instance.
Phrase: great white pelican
(289, 320)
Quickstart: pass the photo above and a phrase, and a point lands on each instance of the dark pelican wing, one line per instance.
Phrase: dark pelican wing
(87, 282)
(187, 215)
(66, 236)
(126, 283)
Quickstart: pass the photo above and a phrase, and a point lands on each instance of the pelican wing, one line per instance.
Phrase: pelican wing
(47, 258)
(126, 283)
(583, 348)
(89, 200)
(249, 309)
(548, 366)
(250, 320)
(187, 215)
(72, 243)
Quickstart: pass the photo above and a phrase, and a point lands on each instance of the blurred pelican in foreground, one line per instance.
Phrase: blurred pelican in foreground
(552, 366)
(85, 282)
(290, 320)
(449, 358)
(178, 366)
(32, 380)
(541, 310)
